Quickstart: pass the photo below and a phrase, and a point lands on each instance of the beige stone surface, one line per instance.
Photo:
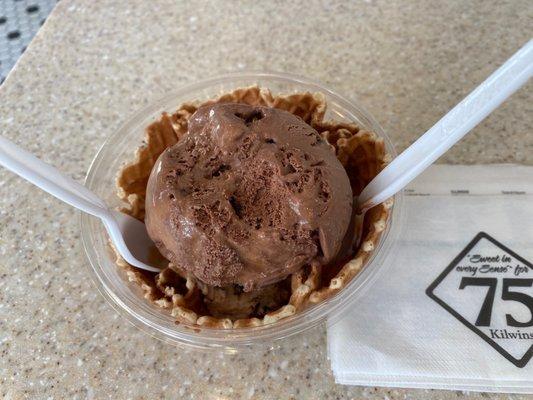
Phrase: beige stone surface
(95, 62)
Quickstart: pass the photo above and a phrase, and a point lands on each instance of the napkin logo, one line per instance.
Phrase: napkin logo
(489, 288)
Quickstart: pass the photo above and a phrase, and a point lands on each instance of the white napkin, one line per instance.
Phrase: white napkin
(397, 335)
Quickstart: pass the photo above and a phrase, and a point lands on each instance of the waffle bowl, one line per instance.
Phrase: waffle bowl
(361, 153)
(173, 308)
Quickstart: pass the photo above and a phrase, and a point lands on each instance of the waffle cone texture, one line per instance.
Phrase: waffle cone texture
(362, 154)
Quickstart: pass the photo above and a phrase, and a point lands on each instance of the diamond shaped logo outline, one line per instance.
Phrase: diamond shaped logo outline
(518, 362)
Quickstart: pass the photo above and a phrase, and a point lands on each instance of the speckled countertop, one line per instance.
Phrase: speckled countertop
(93, 63)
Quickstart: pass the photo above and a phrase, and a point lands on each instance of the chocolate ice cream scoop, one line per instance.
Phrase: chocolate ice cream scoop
(248, 196)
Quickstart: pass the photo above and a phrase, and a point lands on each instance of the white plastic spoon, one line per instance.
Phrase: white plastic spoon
(128, 234)
(449, 130)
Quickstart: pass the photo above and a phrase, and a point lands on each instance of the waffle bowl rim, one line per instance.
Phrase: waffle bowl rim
(310, 317)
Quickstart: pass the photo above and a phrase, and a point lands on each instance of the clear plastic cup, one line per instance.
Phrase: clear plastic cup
(126, 297)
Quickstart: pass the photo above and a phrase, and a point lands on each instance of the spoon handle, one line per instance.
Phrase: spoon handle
(49, 179)
(450, 129)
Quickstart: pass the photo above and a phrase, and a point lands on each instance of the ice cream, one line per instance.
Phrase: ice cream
(247, 197)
